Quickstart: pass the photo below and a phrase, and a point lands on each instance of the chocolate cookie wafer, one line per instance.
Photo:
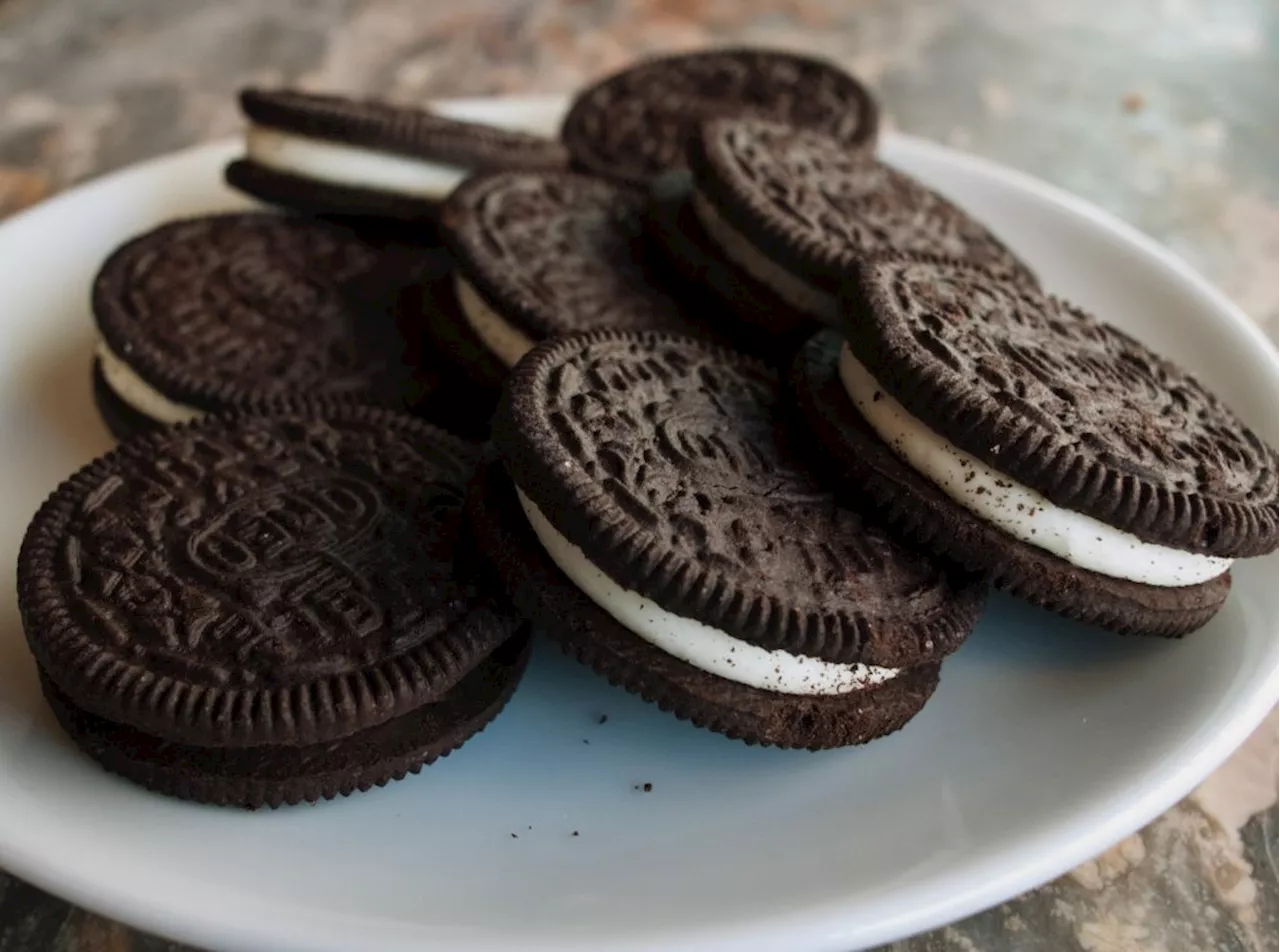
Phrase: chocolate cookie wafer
(1019, 435)
(267, 609)
(334, 155)
(633, 126)
(650, 515)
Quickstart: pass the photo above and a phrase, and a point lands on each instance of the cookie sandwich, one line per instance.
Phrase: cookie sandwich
(221, 312)
(359, 157)
(646, 511)
(264, 610)
(771, 217)
(1021, 436)
(632, 126)
(540, 255)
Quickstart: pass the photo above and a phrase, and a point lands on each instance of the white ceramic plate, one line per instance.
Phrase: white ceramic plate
(1045, 743)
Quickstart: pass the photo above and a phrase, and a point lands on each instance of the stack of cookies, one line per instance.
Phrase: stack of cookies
(743, 418)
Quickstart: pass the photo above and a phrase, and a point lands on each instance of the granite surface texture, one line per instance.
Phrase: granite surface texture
(1161, 111)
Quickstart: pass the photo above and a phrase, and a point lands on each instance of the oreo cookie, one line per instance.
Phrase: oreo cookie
(227, 311)
(455, 340)
(649, 514)
(633, 126)
(784, 212)
(544, 254)
(1018, 435)
(266, 609)
(690, 255)
(333, 155)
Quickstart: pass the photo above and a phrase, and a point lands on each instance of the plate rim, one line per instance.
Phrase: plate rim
(987, 883)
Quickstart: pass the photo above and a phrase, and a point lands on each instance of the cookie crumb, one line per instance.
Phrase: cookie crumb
(514, 837)
(604, 719)
(575, 832)
(648, 788)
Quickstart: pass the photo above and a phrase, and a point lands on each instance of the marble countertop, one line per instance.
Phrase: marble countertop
(1162, 111)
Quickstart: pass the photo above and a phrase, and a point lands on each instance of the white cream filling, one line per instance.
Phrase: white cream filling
(137, 393)
(706, 648)
(1014, 508)
(739, 249)
(508, 343)
(355, 166)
